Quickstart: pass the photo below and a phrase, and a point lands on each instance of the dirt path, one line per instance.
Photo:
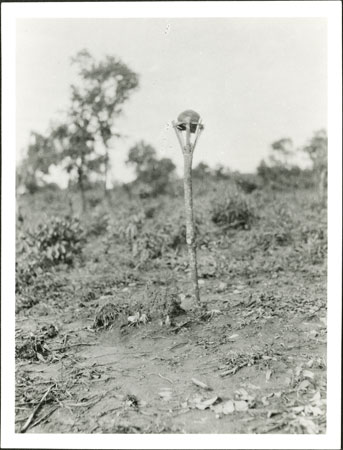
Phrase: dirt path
(260, 361)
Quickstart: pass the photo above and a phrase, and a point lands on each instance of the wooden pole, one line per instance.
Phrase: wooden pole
(187, 150)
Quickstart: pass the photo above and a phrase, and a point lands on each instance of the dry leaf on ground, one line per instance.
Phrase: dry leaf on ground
(204, 404)
(201, 384)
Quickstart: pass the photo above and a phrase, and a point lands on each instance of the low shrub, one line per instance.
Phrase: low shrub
(280, 178)
(150, 239)
(273, 238)
(38, 252)
(177, 232)
(248, 183)
(234, 212)
(26, 272)
(33, 346)
(44, 286)
(98, 223)
(130, 227)
(94, 198)
(148, 246)
(313, 241)
(56, 241)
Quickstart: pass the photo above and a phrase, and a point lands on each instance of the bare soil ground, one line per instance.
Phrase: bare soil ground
(256, 363)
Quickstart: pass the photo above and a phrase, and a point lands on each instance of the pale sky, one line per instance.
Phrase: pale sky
(252, 80)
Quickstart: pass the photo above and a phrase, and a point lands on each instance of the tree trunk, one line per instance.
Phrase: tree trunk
(190, 233)
(82, 190)
(70, 202)
(106, 174)
(322, 176)
(106, 192)
(127, 189)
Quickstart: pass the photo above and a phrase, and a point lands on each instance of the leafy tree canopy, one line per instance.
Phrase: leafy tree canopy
(150, 170)
(282, 152)
(317, 149)
(39, 158)
(104, 86)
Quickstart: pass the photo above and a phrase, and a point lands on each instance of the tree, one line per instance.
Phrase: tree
(36, 165)
(279, 172)
(141, 156)
(104, 86)
(317, 151)
(282, 152)
(202, 171)
(151, 171)
(221, 172)
(74, 148)
(280, 177)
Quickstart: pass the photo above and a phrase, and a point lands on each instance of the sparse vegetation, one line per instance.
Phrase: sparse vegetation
(264, 278)
(95, 271)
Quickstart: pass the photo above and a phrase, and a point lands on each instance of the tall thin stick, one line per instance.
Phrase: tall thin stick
(34, 412)
(187, 151)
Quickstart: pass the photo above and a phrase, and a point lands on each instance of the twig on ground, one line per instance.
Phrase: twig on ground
(201, 384)
(156, 337)
(33, 370)
(105, 354)
(48, 414)
(178, 327)
(166, 378)
(89, 403)
(180, 344)
(108, 364)
(34, 412)
(21, 419)
(161, 376)
(105, 413)
(103, 379)
(72, 345)
(64, 343)
(145, 413)
(93, 429)
(43, 382)
(139, 355)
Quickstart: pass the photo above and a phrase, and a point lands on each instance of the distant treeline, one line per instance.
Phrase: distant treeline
(80, 145)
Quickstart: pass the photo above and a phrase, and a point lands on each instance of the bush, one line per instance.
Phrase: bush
(130, 227)
(46, 286)
(25, 273)
(247, 182)
(162, 238)
(95, 198)
(234, 212)
(145, 242)
(98, 223)
(177, 232)
(281, 178)
(313, 239)
(273, 238)
(55, 242)
(149, 245)
(151, 237)
(153, 175)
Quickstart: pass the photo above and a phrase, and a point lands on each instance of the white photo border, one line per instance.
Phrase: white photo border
(327, 9)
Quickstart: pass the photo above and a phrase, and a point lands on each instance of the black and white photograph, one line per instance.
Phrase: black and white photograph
(171, 178)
